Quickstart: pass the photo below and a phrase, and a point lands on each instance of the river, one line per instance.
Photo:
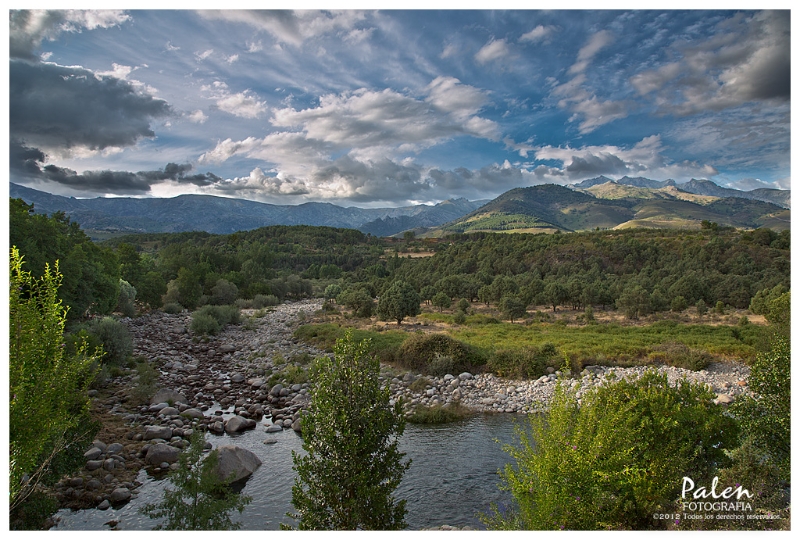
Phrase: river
(453, 476)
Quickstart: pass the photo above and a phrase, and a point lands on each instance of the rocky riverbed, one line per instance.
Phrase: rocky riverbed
(251, 376)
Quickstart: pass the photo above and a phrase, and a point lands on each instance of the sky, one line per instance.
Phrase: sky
(389, 108)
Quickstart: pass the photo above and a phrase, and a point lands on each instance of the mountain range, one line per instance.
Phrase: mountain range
(597, 202)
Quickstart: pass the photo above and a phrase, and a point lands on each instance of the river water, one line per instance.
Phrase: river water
(453, 476)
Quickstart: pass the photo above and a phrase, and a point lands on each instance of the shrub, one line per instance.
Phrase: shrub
(265, 300)
(616, 459)
(127, 295)
(678, 304)
(173, 308)
(439, 414)
(146, 379)
(420, 384)
(681, 356)
(463, 305)
(422, 352)
(224, 292)
(527, 363)
(459, 317)
(204, 323)
(221, 316)
(114, 337)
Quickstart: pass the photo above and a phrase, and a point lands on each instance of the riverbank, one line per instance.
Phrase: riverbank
(232, 382)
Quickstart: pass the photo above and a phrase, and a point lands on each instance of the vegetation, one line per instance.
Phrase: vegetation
(439, 414)
(401, 300)
(614, 460)
(201, 500)
(47, 388)
(350, 434)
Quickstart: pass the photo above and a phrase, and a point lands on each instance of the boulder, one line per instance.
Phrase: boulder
(161, 453)
(193, 413)
(165, 395)
(120, 495)
(235, 463)
(114, 448)
(239, 423)
(157, 432)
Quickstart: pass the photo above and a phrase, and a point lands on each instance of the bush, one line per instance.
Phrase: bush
(147, 377)
(114, 337)
(616, 459)
(224, 292)
(173, 308)
(459, 317)
(681, 356)
(220, 315)
(127, 295)
(204, 323)
(261, 301)
(527, 363)
(423, 353)
(439, 414)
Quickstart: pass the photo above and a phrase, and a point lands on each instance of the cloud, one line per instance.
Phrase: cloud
(28, 166)
(588, 51)
(494, 50)
(79, 111)
(645, 158)
(197, 117)
(242, 104)
(746, 59)
(292, 27)
(202, 55)
(540, 33)
(28, 28)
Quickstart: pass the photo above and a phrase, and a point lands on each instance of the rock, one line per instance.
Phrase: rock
(105, 505)
(165, 395)
(120, 494)
(465, 376)
(274, 428)
(157, 432)
(275, 391)
(168, 411)
(297, 425)
(235, 463)
(114, 448)
(94, 464)
(193, 413)
(99, 444)
(161, 453)
(93, 453)
(270, 441)
(724, 399)
(157, 407)
(239, 423)
(258, 382)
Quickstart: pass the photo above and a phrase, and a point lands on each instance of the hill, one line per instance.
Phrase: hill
(550, 208)
(101, 216)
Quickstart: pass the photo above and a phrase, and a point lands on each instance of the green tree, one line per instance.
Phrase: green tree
(224, 292)
(201, 500)
(399, 301)
(441, 300)
(350, 433)
(512, 307)
(359, 300)
(127, 296)
(634, 301)
(332, 291)
(616, 458)
(47, 389)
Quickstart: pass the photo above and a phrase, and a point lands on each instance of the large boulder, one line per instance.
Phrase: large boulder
(168, 396)
(161, 453)
(239, 423)
(235, 463)
(157, 432)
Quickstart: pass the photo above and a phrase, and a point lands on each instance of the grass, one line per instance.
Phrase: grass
(324, 336)
(439, 414)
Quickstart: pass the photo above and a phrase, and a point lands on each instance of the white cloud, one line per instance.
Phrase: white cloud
(242, 104)
(170, 47)
(232, 58)
(449, 50)
(494, 50)
(203, 55)
(197, 117)
(540, 33)
(588, 51)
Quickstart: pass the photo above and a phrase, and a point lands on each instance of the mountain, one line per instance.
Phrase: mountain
(550, 208)
(780, 197)
(223, 215)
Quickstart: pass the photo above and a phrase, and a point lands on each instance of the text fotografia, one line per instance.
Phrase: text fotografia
(720, 501)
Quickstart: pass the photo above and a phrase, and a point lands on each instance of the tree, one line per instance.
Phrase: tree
(332, 291)
(224, 292)
(399, 301)
(48, 389)
(616, 458)
(512, 307)
(127, 296)
(441, 300)
(202, 500)
(350, 433)
(634, 301)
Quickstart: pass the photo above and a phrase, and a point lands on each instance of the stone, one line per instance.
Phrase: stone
(165, 395)
(465, 376)
(105, 505)
(275, 391)
(239, 423)
(235, 463)
(93, 453)
(161, 453)
(274, 428)
(115, 448)
(193, 413)
(724, 399)
(297, 425)
(157, 432)
(120, 494)
(94, 464)
(168, 411)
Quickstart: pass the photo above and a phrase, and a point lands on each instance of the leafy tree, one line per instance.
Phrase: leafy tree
(678, 304)
(224, 292)
(555, 294)
(399, 301)
(350, 433)
(47, 388)
(634, 301)
(332, 291)
(615, 459)
(127, 296)
(441, 300)
(202, 500)
(427, 293)
(359, 300)
(512, 307)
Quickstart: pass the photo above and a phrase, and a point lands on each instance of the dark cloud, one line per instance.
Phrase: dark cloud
(61, 108)
(596, 164)
(27, 165)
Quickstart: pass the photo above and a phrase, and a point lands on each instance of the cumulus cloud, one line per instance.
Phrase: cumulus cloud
(242, 104)
(29, 28)
(292, 27)
(645, 158)
(79, 111)
(588, 51)
(492, 51)
(746, 59)
(540, 33)
(197, 117)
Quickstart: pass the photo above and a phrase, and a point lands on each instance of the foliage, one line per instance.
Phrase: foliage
(613, 461)
(173, 308)
(527, 363)
(114, 337)
(332, 291)
(211, 319)
(401, 300)
(439, 414)
(441, 300)
(127, 296)
(350, 433)
(201, 500)
(423, 353)
(679, 355)
(766, 418)
(265, 300)
(512, 307)
(47, 388)
(358, 300)
(146, 379)
(90, 280)
(224, 292)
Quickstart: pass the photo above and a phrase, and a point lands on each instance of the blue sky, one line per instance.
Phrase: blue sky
(387, 108)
